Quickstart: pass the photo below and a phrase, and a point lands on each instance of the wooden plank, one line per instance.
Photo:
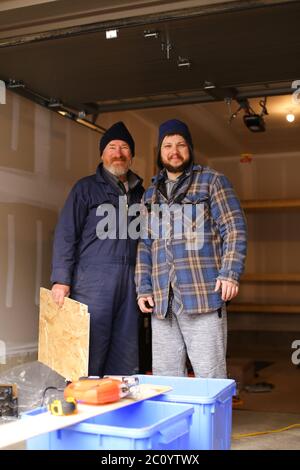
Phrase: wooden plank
(64, 336)
(271, 277)
(273, 204)
(31, 426)
(263, 308)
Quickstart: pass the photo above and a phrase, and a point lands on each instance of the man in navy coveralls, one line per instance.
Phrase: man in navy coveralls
(99, 271)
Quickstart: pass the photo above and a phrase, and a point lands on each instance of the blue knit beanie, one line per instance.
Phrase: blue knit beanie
(173, 126)
(117, 131)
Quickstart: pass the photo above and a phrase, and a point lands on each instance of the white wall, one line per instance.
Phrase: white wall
(41, 155)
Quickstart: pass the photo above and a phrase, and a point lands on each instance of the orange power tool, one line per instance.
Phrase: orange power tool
(96, 391)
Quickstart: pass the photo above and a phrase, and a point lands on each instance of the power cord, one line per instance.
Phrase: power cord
(46, 390)
(260, 433)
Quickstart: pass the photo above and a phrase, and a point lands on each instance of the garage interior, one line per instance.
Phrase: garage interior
(208, 63)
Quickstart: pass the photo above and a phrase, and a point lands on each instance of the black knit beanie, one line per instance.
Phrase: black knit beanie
(171, 127)
(117, 131)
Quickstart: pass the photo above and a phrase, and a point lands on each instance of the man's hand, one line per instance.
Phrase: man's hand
(229, 289)
(59, 292)
(146, 304)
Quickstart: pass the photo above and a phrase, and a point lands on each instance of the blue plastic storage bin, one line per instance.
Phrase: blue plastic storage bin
(212, 401)
(143, 425)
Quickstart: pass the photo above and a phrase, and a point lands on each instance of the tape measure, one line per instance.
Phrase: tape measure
(63, 407)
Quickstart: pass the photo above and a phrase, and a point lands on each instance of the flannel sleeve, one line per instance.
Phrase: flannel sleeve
(230, 220)
(143, 270)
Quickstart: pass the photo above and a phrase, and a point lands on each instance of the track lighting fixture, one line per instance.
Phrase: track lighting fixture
(15, 83)
(148, 34)
(209, 85)
(183, 62)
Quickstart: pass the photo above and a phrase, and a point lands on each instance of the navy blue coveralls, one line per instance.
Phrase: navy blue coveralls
(100, 272)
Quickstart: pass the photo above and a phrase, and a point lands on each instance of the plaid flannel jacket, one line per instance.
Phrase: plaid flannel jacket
(193, 273)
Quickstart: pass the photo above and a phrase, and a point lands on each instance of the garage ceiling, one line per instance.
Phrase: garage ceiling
(249, 49)
(214, 137)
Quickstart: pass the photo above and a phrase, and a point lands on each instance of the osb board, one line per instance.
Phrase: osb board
(31, 426)
(64, 336)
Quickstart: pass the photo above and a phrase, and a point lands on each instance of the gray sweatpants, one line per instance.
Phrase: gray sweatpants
(202, 337)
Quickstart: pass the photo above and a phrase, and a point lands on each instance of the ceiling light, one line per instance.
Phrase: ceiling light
(183, 62)
(290, 117)
(111, 33)
(209, 85)
(254, 122)
(151, 34)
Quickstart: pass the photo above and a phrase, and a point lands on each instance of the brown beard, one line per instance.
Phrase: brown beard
(177, 169)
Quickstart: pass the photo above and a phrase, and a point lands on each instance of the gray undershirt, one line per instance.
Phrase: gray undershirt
(169, 186)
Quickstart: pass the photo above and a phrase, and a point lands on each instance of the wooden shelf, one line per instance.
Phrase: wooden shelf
(271, 278)
(260, 206)
(270, 204)
(263, 308)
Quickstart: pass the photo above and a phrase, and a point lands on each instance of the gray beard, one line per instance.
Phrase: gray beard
(117, 171)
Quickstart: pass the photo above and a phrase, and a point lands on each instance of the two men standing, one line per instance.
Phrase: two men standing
(184, 289)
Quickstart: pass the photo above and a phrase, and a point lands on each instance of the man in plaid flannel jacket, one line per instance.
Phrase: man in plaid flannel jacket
(184, 285)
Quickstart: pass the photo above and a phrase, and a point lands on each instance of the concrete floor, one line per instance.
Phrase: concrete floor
(255, 421)
(270, 410)
(285, 396)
